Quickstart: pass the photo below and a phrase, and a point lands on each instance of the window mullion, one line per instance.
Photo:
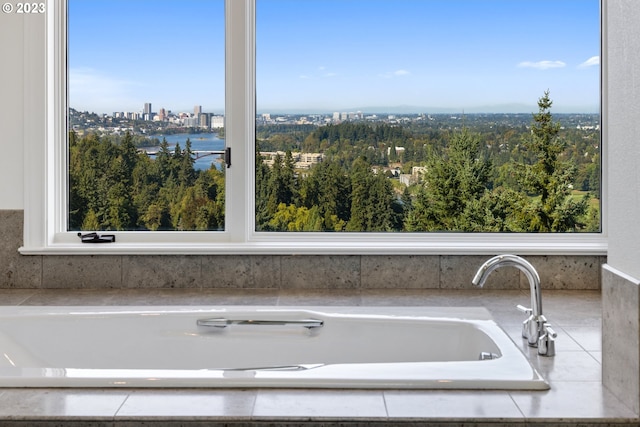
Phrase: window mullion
(240, 118)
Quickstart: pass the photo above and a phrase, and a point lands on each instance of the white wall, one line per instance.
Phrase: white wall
(623, 131)
(623, 134)
(11, 110)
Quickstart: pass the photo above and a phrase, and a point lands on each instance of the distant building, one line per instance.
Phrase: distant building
(190, 122)
(203, 120)
(407, 179)
(302, 160)
(147, 112)
(418, 170)
(399, 151)
(306, 160)
(217, 122)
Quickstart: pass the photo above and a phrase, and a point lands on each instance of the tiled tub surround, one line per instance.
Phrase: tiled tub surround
(273, 271)
(577, 396)
(571, 300)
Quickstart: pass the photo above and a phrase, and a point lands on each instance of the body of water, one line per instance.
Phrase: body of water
(199, 142)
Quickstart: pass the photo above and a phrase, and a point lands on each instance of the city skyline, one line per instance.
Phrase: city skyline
(337, 55)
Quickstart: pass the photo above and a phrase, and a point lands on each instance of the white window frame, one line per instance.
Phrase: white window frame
(46, 173)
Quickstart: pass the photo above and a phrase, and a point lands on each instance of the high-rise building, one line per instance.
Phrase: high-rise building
(197, 110)
(147, 110)
(203, 120)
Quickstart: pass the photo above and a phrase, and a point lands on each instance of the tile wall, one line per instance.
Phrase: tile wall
(273, 271)
(621, 336)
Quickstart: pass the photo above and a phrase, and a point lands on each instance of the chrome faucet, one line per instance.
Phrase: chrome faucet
(535, 328)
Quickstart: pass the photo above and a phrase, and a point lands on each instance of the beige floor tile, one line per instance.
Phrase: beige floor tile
(568, 366)
(30, 403)
(189, 403)
(452, 405)
(588, 337)
(571, 400)
(331, 404)
(564, 342)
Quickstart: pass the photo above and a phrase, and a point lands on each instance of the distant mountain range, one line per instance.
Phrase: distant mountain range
(412, 109)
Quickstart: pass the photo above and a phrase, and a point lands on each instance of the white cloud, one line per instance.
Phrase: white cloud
(314, 76)
(321, 72)
(391, 74)
(542, 65)
(591, 62)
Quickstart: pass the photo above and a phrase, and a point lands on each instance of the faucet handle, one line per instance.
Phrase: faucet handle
(524, 309)
(529, 326)
(547, 329)
(547, 341)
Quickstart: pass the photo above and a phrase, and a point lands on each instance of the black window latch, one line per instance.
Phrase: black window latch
(227, 156)
(96, 238)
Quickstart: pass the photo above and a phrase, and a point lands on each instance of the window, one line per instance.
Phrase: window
(145, 168)
(47, 210)
(416, 116)
(144, 154)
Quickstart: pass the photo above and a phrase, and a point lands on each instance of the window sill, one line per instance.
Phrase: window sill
(349, 244)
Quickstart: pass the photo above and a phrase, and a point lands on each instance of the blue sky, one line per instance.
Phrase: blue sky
(340, 55)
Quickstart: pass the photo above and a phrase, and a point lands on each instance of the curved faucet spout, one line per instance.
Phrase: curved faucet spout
(523, 265)
(535, 329)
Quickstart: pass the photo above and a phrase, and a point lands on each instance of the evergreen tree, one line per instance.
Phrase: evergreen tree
(186, 172)
(372, 200)
(326, 193)
(281, 187)
(263, 174)
(453, 179)
(163, 162)
(548, 177)
(76, 201)
(360, 206)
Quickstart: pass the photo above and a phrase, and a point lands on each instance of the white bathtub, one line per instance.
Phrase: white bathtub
(355, 347)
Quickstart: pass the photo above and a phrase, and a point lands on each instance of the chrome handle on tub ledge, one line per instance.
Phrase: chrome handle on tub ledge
(221, 322)
(547, 341)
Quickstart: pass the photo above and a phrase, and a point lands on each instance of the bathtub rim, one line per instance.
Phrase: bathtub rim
(31, 377)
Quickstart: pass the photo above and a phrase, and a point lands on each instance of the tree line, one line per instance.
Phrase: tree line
(522, 182)
(504, 180)
(113, 186)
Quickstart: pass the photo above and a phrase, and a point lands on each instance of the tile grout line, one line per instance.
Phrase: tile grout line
(524, 418)
(384, 401)
(115, 416)
(360, 284)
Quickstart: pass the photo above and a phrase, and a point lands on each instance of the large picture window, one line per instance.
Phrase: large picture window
(404, 127)
(433, 115)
